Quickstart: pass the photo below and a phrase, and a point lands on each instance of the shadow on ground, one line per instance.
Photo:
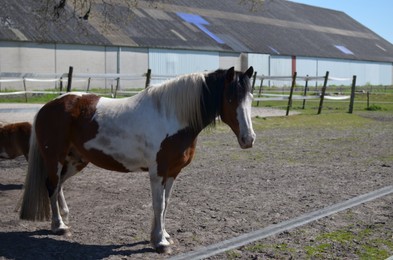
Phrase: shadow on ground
(36, 245)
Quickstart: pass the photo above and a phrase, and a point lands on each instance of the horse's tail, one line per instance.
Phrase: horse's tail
(35, 203)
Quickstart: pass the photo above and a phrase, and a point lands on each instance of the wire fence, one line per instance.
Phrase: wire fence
(298, 90)
(320, 95)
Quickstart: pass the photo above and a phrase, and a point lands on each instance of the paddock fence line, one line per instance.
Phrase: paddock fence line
(264, 95)
(261, 92)
(60, 80)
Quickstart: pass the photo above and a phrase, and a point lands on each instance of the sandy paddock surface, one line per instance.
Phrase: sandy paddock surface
(225, 192)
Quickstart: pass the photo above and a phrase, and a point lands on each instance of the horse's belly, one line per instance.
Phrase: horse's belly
(123, 156)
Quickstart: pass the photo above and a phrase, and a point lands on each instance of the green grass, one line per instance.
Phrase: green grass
(36, 98)
(44, 98)
(232, 254)
(275, 249)
(318, 250)
(359, 242)
(348, 238)
(380, 99)
(332, 121)
(376, 101)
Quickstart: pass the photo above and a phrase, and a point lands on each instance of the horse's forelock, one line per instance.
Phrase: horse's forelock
(238, 88)
(244, 86)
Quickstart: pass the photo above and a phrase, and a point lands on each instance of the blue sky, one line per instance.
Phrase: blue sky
(376, 15)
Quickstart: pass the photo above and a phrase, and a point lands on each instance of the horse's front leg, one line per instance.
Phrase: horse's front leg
(168, 190)
(158, 233)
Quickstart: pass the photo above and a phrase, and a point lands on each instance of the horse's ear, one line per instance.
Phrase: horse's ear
(230, 74)
(249, 72)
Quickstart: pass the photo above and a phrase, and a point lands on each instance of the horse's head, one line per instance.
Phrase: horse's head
(236, 106)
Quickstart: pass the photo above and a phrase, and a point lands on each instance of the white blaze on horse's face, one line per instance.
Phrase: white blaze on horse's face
(246, 135)
(236, 111)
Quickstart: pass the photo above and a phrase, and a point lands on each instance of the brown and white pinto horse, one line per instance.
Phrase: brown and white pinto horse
(153, 131)
(14, 140)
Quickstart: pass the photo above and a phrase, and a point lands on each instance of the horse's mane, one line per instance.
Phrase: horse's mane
(195, 99)
(181, 97)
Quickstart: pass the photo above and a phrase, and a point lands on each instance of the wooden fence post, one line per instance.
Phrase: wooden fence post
(291, 92)
(254, 78)
(88, 84)
(117, 86)
(352, 100)
(148, 77)
(24, 86)
(61, 84)
(260, 91)
(305, 93)
(69, 82)
(323, 92)
(368, 100)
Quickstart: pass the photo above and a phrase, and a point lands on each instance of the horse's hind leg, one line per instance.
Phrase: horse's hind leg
(75, 164)
(58, 226)
(64, 211)
(60, 211)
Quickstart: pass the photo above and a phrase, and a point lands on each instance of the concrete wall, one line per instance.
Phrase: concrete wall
(166, 63)
(228, 60)
(367, 72)
(27, 57)
(56, 59)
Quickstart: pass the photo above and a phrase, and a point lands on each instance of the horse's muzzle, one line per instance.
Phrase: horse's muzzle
(247, 141)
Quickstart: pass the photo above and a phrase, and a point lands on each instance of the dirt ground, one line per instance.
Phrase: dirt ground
(225, 192)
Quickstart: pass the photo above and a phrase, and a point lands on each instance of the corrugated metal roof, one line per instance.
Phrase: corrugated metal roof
(276, 27)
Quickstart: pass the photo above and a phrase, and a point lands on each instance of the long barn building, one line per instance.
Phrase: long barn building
(181, 36)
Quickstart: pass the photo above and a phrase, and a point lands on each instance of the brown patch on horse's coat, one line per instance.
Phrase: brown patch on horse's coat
(14, 140)
(57, 138)
(176, 152)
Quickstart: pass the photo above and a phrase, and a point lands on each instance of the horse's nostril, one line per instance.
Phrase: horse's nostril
(246, 141)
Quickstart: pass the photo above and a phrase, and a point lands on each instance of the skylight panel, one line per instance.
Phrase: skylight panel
(380, 47)
(344, 49)
(274, 50)
(201, 23)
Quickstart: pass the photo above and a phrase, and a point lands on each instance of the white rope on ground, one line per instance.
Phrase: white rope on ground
(248, 238)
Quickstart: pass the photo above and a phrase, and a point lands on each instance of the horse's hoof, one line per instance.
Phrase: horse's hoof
(170, 240)
(63, 232)
(164, 249)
